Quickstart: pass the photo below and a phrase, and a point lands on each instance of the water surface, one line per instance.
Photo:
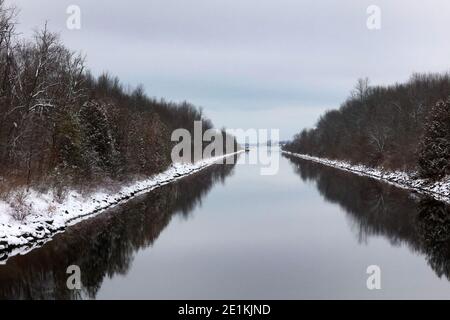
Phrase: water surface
(230, 233)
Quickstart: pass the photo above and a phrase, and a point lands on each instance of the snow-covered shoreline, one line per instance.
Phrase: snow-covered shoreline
(439, 190)
(19, 237)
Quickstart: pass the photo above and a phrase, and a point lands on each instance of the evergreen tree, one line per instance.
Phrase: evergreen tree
(98, 142)
(434, 154)
(67, 143)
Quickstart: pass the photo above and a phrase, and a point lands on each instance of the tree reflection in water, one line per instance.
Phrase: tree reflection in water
(434, 231)
(105, 245)
(380, 209)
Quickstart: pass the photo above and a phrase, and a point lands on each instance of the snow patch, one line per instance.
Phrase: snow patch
(439, 190)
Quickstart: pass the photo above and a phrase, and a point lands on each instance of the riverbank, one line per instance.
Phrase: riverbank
(439, 190)
(48, 217)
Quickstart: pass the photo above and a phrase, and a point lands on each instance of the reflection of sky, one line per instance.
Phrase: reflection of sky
(253, 63)
(259, 237)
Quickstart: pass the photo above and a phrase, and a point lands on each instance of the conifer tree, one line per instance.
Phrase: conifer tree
(434, 149)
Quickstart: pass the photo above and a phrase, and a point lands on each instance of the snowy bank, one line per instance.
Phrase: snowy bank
(47, 216)
(439, 190)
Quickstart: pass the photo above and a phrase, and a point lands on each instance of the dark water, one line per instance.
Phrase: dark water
(308, 232)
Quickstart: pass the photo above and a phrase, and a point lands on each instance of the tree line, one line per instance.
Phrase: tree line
(402, 126)
(60, 124)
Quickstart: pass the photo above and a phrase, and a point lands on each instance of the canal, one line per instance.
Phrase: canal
(229, 232)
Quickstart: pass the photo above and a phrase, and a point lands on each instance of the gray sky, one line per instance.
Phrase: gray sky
(252, 63)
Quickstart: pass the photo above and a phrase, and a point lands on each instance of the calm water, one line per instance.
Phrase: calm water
(228, 232)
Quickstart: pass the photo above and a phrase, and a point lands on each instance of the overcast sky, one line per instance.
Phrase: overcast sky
(252, 63)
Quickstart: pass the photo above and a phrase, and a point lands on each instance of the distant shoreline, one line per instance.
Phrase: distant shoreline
(439, 190)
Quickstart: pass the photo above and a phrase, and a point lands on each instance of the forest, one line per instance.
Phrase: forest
(62, 126)
(398, 127)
